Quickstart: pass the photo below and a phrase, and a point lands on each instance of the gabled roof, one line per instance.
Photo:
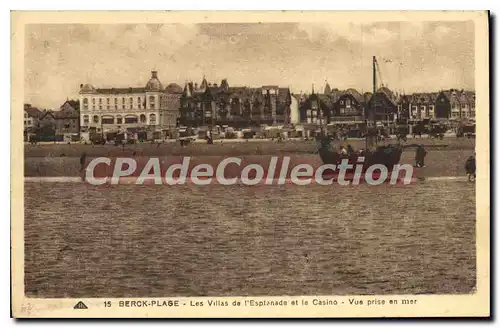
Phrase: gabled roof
(356, 95)
(47, 114)
(460, 96)
(33, 111)
(387, 92)
(72, 105)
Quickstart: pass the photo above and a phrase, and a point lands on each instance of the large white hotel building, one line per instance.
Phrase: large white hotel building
(150, 108)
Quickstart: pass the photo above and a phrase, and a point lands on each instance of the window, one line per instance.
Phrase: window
(85, 103)
(93, 107)
(348, 103)
(93, 100)
(108, 120)
(152, 119)
(139, 100)
(116, 100)
(119, 120)
(151, 102)
(96, 119)
(131, 100)
(100, 107)
(107, 100)
(464, 106)
(116, 106)
(100, 100)
(85, 119)
(143, 118)
(123, 106)
(107, 107)
(130, 119)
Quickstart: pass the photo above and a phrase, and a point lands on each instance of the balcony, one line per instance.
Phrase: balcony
(341, 119)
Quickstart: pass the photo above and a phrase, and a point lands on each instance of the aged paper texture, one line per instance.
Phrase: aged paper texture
(250, 164)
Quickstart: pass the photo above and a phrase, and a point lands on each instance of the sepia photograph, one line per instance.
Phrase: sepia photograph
(268, 164)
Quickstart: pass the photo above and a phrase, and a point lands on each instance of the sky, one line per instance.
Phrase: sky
(413, 56)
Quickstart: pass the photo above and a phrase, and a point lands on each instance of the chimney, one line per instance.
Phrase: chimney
(154, 74)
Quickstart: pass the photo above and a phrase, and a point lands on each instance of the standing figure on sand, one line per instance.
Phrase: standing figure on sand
(470, 168)
(420, 154)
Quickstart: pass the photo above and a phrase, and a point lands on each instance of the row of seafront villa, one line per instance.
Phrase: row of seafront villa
(162, 109)
(336, 106)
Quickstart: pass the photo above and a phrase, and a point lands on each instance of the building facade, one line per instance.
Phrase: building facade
(444, 105)
(347, 107)
(31, 117)
(67, 118)
(209, 104)
(132, 109)
(31, 121)
(462, 103)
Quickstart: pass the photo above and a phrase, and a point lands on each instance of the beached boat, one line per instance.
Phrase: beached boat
(387, 154)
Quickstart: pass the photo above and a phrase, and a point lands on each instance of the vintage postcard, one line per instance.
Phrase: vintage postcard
(250, 164)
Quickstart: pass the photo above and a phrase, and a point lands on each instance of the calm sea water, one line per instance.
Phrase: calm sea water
(138, 241)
